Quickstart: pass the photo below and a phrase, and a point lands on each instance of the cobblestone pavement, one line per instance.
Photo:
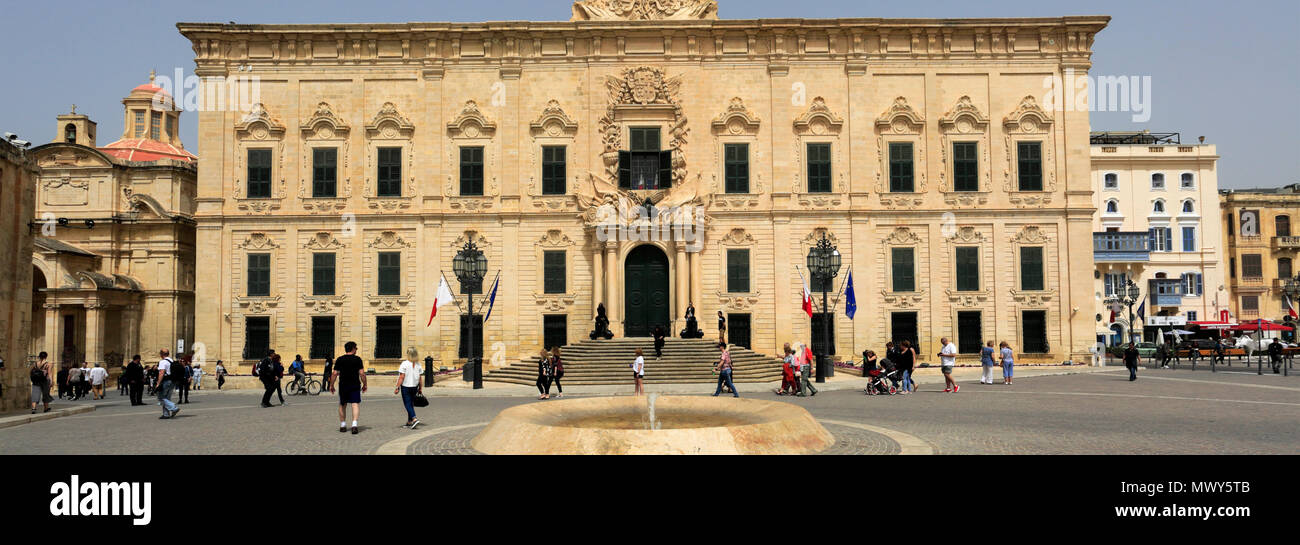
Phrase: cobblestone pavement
(1164, 412)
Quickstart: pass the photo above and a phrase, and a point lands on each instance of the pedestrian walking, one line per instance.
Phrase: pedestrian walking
(722, 327)
(906, 363)
(41, 377)
(121, 383)
(1008, 362)
(986, 362)
(265, 372)
(350, 378)
(723, 369)
(184, 374)
(221, 374)
(98, 376)
(1275, 356)
(74, 382)
(948, 360)
(544, 375)
(85, 381)
(788, 385)
(408, 384)
(134, 375)
(638, 372)
(62, 377)
(329, 368)
(1219, 351)
(557, 371)
(166, 383)
(1131, 361)
(279, 376)
(196, 376)
(659, 341)
(805, 371)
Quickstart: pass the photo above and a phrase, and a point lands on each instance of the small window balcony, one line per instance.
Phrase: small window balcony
(1121, 247)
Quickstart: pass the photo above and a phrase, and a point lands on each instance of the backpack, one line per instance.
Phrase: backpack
(179, 372)
(38, 374)
(263, 369)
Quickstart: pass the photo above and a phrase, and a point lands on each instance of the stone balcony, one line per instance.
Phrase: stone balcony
(1286, 243)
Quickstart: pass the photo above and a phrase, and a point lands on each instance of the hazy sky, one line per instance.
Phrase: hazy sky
(1225, 70)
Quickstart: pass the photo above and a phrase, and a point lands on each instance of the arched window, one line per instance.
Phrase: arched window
(1157, 181)
(1158, 207)
(1112, 181)
(70, 133)
(1283, 224)
(1112, 207)
(1284, 267)
(1188, 207)
(1188, 181)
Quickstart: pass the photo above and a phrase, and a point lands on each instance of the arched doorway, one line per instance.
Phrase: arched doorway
(646, 295)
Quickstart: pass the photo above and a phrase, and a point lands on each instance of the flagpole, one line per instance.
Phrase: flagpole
(494, 284)
(843, 282)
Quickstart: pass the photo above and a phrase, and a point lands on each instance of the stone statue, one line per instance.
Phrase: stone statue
(623, 10)
(602, 325)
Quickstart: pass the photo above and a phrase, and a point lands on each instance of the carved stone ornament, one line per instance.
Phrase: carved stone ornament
(1027, 118)
(389, 124)
(257, 241)
(964, 118)
(902, 236)
(643, 10)
(903, 300)
(738, 302)
(967, 235)
(258, 305)
(388, 303)
(737, 237)
(258, 124)
(1033, 298)
(736, 120)
(323, 241)
(389, 240)
(322, 304)
(968, 299)
(818, 120)
(900, 118)
(555, 302)
(471, 123)
(555, 238)
(1031, 234)
(642, 86)
(324, 123)
(554, 122)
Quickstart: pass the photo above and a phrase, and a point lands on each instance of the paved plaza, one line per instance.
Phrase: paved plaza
(1091, 411)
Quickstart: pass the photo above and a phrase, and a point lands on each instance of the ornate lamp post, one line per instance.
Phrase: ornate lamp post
(470, 267)
(1128, 295)
(823, 265)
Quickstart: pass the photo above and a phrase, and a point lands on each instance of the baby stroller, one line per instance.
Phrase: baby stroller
(876, 379)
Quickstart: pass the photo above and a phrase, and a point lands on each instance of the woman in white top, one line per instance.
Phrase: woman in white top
(408, 384)
(638, 372)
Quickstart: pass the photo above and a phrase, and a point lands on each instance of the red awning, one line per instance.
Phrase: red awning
(1260, 325)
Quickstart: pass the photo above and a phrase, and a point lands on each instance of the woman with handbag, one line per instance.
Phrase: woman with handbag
(544, 375)
(408, 384)
(557, 371)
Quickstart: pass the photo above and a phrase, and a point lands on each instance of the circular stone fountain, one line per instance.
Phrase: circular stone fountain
(654, 425)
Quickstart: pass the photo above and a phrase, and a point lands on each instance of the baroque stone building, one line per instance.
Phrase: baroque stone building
(114, 258)
(644, 155)
(17, 193)
(1262, 247)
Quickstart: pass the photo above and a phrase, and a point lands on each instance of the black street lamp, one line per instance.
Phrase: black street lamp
(1128, 295)
(823, 265)
(470, 267)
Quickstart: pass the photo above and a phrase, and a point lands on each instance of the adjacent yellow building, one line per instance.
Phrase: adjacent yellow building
(1261, 249)
(924, 149)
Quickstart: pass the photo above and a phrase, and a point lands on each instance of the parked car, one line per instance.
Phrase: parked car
(1146, 350)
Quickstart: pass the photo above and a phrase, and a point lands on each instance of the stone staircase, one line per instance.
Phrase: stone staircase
(606, 362)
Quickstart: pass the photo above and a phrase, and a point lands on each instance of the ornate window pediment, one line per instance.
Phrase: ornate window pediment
(555, 238)
(966, 124)
(738, 237)
(324, 123)
(901, 118)
(902, 236)
(389, 123)
(554, 122)
(389, 240)
(1031, 234)
(818, 120)
(964, 118)
(323, 241)
(257, 241)
(471, 123)
(1027, 118)
(901, 123)
(259, 125)
(967, 235)
(553, 127)
(736, 120)
(1029, 123)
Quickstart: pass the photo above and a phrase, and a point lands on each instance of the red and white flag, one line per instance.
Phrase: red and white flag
(807, 294)
(443, 297)
(1290, 309)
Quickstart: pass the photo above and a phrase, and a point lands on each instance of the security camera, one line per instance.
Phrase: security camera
(10, 136)
(22, 143)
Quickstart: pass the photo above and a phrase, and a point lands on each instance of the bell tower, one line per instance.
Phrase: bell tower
(75, 128)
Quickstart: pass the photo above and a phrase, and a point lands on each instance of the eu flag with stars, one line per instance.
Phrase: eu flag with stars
(851, 307)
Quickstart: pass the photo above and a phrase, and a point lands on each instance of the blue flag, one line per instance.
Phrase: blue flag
(1142, 310)
(851, 306)
(492, 298)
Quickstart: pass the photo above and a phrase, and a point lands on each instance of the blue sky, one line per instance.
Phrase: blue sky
(1225, 70)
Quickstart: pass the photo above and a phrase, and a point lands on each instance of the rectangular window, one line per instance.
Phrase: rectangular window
(259, 275)
(322, 273)
(970, 332)
(1162, 239)
(1029, 158)
(1191, 316)
(259, 173)
(322, 338)
(471, 170)
(257, 337)
(1031, 268)
(819, 168)
(1114, 282)
(389, 176)
(388, 337)
(139, 124)
(555, 330)
(736, 167)
(738, 271)
(554, 170)
(1252, 266)
(324, 172)
(554, 273)
(900, 167)
(1284, 268)
(465, 336)
(1034, 328)
(390, 273)
(1250, 303)
(902, 327)
(965, 166)
(644, 138)
(903, 264)
(1192, 284)
(1189, 239)
(968, 269)
(155, 126)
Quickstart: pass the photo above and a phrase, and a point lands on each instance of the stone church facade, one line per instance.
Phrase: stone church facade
(644, 156)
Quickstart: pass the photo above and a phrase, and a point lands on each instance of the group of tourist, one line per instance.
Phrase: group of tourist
(550, 369)
(899, 364)
(796, 368)
(77, 382)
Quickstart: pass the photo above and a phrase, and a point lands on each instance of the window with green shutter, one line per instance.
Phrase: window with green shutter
(257, 337)
(970, 332)
(1029, 163)
(388, 337)
(471, 170)
(322, 338)
(554, 170)
(389, 175)
(554, 271)
(900, 167)
(819, 168)
(1034, 329)
(322, 273)
(903, 264)
(968, 269)
(390, 273)
(1031, 268)
(259, 275)
(259, 173)
(324, 172)
(738, 271)
(736, 167)
(965, 166)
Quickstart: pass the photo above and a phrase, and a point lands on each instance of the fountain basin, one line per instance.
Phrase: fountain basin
(682, 425)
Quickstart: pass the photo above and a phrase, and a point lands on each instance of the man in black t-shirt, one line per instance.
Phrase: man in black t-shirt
(350, 378)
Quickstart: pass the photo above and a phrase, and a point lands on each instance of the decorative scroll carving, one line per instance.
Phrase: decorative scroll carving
(640, 10)
(738, 302)
(1028, 117)
(969, 299)
(901, 118)
(967, 235)
(324, 123)
(643, 86)
(818, 120)
(964, 118)
(323, 241)
(471, 123)
(555, 302)
(259, 125)
(1031, 123)
(389, 240)
(554, 122)
(736, 120)
(901, 123)
(902, 236)
(257, 241)
(1031, 234)
(389, 124)
(555, 238)
(737, 237)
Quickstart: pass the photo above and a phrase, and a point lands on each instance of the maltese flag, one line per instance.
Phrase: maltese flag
(443, 297)
(807, 296)
(1290, 308)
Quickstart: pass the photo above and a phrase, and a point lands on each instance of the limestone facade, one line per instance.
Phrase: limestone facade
(18, 173)
(1262, 245)
(510, 90)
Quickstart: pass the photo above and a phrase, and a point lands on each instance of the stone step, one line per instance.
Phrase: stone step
(605, 362)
